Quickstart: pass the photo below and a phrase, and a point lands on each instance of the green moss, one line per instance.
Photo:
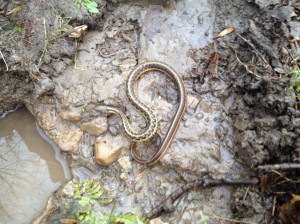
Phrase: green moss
(295, 82)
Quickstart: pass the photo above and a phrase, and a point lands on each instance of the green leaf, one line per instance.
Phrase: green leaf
(128, 219)
(106, 200)
(91, 4)
(93, 10)
(85, 202)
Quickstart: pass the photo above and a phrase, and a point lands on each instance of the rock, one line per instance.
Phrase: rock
(71, 115)
(108, 149)
(66, 135)
(192, 104)
(44, 85)
(125, 163)
(68, 189)
(123, 176)
(96, 126)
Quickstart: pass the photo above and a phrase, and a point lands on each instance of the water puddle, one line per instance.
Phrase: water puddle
(31, 168)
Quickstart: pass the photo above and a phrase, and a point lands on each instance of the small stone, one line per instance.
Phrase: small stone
(218, 119)
(123, 176)
(240, 122)
(139, 186)
(125, 163)
(108, 149)
(114, 130)
(96, 126)
(192, 104)
(199, 115)
(68, 189)
(71, 115)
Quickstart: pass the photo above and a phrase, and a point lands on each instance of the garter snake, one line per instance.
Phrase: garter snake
(152, 123)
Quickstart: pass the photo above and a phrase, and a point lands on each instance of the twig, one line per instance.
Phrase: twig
(283, 166)
(274, 205)
(254, 48)
(247, 67)
(244, 198)
(4, 60)
(231, 220)
(45, 42)
(166, 206)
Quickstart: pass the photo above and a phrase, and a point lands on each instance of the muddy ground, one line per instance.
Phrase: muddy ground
(242, 108)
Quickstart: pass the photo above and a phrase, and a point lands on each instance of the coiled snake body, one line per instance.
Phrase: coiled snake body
(152, 123)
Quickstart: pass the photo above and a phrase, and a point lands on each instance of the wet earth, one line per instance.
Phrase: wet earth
(242, 112)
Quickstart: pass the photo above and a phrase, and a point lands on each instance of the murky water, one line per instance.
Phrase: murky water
(30, 168)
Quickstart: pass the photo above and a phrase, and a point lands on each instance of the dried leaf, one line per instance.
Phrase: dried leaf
(69, 221)
(15, 10)
(224, 33)
(290, 212)
(212, 68)
(78, 31)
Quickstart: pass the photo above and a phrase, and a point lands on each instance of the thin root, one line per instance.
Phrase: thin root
(4, 60)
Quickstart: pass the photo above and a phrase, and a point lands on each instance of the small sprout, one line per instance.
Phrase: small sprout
(203, 218)
(91, 6)
(106, 200)
(82, 109)
(86, 194)
(295, 82)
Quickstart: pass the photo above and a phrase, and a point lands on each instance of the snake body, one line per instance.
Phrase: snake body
(152, 123)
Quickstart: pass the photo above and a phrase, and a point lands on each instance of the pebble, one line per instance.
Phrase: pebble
(96, 126)
(199, 115)
(123, 176)
(108, 149)
(71, 115)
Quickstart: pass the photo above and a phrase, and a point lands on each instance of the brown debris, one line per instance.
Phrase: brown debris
(224, 33)
(212, 69)
(290, 211)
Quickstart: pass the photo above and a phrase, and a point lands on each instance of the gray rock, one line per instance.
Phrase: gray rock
(42, 86)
